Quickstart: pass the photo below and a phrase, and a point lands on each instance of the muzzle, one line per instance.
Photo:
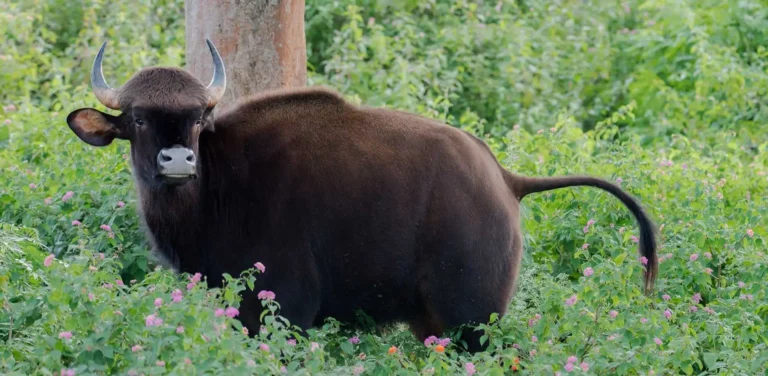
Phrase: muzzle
(176, 164)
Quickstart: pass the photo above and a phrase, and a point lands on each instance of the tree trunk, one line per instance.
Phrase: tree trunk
(261, 42)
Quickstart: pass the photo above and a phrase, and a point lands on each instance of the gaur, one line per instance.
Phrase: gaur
(349, 207)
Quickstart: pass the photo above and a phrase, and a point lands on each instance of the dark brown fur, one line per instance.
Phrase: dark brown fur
(349, 207)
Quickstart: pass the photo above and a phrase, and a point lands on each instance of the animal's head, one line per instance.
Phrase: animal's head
(163, 112)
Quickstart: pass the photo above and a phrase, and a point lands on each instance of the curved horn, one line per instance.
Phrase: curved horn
(105, 94)
(219, 81)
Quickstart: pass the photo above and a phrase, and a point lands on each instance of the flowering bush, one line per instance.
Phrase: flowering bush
(662, 108)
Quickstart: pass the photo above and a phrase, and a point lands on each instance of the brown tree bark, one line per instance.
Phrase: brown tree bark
(261, 42)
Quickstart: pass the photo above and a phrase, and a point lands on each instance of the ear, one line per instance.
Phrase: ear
(208, 119)
(94, 127)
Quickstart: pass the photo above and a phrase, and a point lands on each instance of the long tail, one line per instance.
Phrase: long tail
(522, 186)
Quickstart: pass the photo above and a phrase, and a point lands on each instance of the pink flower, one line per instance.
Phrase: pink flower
(534, 339)
(750, 233)
(120, 204)
(696, 298)
(634, 239)
(91, 297)
(48, 260)
(430, 341)
(569, 367)
(196, 277)
(585, 246)
(179, 329)
(264, 347)
(354, 340)
(67, 372)
(260, 267)
(708, 270)
(741, 284)
(106, 228)
(10, 108)
(176, 296)
(444, 341)
(187, 361)
(708, 255)
(667, 314)
(231, 312)
(160, 363)
(619, 180)
(119, 282)
(613, 314)
(76, 223)
(314, 346)
(532, 353)
(136, 348)
(251, 363)
(643, 320)
(657, 340)
(570, 301)
(644, 260)
(709, 310)
(190, 286)
(534, 320)
(590, 222)
(516, 346)
(572, 359)
(67, 196)
(266, 295)
(65, 335)
(584, 366)
(158, 302)
(219, 312)
(355, 371)
(48, 201)
(118, 313)
(586, 229)
(107, 286)
(32, 186)
(694, 257)
(153, 320)
(101, 256)
(693, 308)
(291, 342)
(666, 297)
(470, 368)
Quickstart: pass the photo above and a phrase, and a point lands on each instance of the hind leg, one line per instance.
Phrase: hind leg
(473, 279)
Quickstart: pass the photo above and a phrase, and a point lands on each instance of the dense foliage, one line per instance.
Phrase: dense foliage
(665, 97)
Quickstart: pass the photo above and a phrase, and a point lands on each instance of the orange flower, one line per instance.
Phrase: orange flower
(440, 348)
(392, 349)
(516, 361)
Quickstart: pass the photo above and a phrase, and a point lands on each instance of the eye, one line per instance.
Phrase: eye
(138, 122)
(199, 122)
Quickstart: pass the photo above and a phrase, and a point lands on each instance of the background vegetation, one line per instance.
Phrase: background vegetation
(666, 97)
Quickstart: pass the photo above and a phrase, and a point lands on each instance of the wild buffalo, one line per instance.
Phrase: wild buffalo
(349, 207)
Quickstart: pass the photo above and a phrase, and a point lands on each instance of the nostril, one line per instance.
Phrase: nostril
(191, 158)
(165, 158)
